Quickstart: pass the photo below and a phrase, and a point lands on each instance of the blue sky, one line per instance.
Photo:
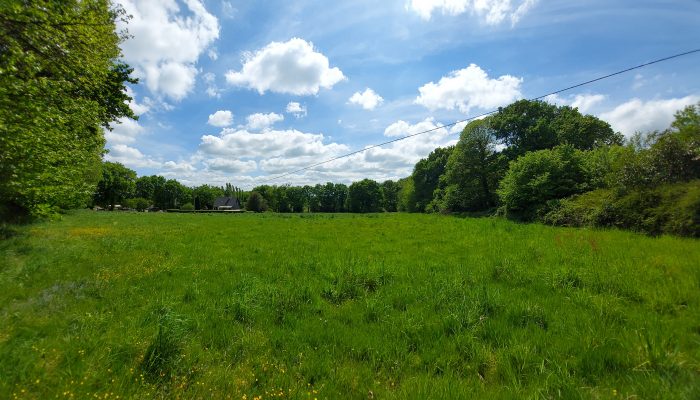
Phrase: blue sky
(238, 91)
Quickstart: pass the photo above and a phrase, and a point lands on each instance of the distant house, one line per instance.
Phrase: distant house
(227, 203)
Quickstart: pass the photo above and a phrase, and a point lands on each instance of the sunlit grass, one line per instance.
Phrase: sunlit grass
(100, 305)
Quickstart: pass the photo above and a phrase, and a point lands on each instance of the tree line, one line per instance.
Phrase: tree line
(121, 186)
(535, 161)
(62, 83)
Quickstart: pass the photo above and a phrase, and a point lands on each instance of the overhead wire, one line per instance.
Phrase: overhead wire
(588, 82)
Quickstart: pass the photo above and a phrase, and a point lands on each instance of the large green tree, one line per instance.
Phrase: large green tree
(60, 84)
(473, 170)
(390, 195)
(426, 176)
(204, 196)
(117, 184)
(528, 125)
(365, 196)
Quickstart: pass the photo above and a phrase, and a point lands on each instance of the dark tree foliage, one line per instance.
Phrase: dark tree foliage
(60, 84)
(426, 177)
(536, 125)
(541, 176)
(365, 196)
(150, 187)
(203, 196)
(117, 184)
(390, 195)
(255, 202)
(473, 170)
(295, 198)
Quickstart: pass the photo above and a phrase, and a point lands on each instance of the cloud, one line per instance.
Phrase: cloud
(246, 158)
(243, 144)
(368, 99)
(137, 108)
(261, 122)
(493, 12)
(130, 157)
(230, 165)
(469, 88)
(291, 67)
(167, 43)
(584, 102)
(297, 109)
(221, 118)
(179, 166)
(644, 116)
(125, 130)
(228, 10)
(212, 89)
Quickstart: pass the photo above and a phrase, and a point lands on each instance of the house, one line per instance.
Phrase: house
(227, 203)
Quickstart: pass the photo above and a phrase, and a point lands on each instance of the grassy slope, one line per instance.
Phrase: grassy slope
(312, 306)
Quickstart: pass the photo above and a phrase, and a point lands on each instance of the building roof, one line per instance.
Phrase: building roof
(227, 202)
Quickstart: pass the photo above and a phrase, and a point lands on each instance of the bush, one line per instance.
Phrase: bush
(138, 203)
(187, 207)
(580, 210)
(538, 177)
(667, 209)
(255, 203)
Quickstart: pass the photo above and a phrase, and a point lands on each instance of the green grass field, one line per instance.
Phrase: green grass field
(107, 305)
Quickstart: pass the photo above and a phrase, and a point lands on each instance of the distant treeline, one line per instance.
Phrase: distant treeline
(531, 161)
(535, 161)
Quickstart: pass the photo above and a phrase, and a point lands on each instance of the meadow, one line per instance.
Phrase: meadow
(260, 306)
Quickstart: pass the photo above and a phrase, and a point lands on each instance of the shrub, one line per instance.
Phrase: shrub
(138, 203)
(537, 178)
(671, 209)
(187, 207)
(255, 203)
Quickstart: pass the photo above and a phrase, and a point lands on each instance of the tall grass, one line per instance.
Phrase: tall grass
(344, 306)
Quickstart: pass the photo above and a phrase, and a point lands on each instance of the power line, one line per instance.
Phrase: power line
(478, 116)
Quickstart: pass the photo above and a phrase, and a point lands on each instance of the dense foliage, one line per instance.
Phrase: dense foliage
(61, 83)
(530, 157)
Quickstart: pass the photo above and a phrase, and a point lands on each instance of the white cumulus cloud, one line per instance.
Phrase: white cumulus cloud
(291, 67)
(584, 102)
(469, 88)
(260, 121)
(368, 99)
(644, 116)
(493, 12)
(296, 109)
(167, 43)
(130, 157)
(221, 118)
(124, 130)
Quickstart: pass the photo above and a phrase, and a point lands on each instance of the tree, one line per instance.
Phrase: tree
(536, 125)
(255, 202)
(407, 201)
(60, 85)
(205, 195)
(116, 185)
(295, 199)
(540, 176)
(390, 195)
(473, 170)
(150, 187)
(426, 176)
(365, 196)
(138, 203)
(175, 194)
